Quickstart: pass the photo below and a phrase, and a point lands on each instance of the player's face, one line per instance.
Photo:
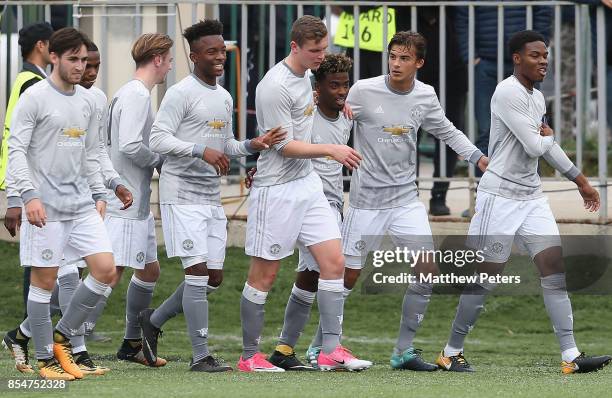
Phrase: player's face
(164, 65)
(71, 65)
(532, 61)
(311, 53)
(44, 50)
(209, 56)
(91, 69)
(332, 90)
(403, 63)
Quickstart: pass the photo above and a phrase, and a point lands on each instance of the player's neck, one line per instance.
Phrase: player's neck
(523, 80)
(294, 65)
(146, 76)
(403, 85)
(38, 60)
(329, 113)
(210, 80)
(60, 83)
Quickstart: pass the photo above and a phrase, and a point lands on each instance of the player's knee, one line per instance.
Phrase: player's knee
(550, 261)
(351, 276)
(334, 266)
(215, 278)
(150, 273)
(105, 273)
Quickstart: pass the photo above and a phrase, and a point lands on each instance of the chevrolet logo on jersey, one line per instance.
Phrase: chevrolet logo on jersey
(309, 110)
(396, 130)
(216, 124)
(73, 132)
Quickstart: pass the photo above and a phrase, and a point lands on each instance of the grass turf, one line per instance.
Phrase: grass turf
(513, 347)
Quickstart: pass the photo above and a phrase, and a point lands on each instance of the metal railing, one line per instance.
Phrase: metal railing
(171, 13)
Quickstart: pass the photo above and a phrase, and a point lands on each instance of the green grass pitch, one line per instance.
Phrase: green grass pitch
(513, 347)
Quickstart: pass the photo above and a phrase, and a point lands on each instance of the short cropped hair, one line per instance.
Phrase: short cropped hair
(410, 40)
(67, 39)
(206, 27)
(148, 46)
(32, 34)
(333, 63)
(519, 39)
(308, 28)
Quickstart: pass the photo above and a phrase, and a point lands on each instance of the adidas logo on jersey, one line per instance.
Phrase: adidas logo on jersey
(379, 109)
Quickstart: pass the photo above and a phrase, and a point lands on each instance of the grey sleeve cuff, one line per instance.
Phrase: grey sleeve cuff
(14, 201)
(475, 156)
(29, 195)
(248, 147)
(198, 151)
(572, 173)
(99, 197)
(114, 183)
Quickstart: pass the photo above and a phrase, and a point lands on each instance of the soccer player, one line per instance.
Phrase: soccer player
(287, 205)
(34, 42)
(510, 204)
(330, 126)
(68, 274)
(388, 111)
(132, 231)
(53, 165)
(193, 129)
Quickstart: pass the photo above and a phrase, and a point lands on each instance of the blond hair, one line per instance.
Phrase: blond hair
(150, 45)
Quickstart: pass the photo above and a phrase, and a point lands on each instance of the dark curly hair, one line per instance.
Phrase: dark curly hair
(333, 63)
(206, 27)
(410, 40)
(519, 39)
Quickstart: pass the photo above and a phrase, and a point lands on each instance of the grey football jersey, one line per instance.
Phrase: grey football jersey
(283, 98)
(193, 115)
(130, 118)
(54, 151)
(515, 144)
(330, 131)
(385, 132)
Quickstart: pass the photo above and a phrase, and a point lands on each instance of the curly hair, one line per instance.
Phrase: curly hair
(206, 27)
(410, 40)
(333, 63)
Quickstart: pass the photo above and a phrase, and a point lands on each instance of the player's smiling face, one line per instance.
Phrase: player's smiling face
(311, 53)
(71, 65)
(532, 61)
(208, 55)
(332, 91)
(403, 64)
(91, 69)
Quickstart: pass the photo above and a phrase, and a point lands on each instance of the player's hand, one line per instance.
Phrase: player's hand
(590, 197)
(216, 159)
(347, 111)
(545, 130)
(345, 155)
(607, 3)
(248, 180)
(101, 208)
(12, 220)
(272, 137)
(483, 163)
(35, 211)
(125, 196)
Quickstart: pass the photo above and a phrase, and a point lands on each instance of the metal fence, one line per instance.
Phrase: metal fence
(168, 17)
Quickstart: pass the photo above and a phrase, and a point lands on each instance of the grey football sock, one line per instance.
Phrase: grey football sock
(414, 307)
(331, 308)
(195, 307)
(559, 308)
(92, 319)
(139, 297)
(83, 302)
(471, 303)
(297, 313)
(68, 281)
(54, 304)
(170, 308)
(252, 319)
(40, 322)
(317, 340)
